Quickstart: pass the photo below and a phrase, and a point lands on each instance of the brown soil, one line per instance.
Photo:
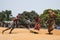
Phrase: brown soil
(25, 34)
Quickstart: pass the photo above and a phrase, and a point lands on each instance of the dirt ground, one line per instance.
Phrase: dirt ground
(25, 34)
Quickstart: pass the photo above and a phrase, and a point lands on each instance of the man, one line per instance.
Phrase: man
(17, 21)
(28, 23)
(51, 21)
(12, 25)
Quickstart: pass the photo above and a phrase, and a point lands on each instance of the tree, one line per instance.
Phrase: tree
(6, 15)
(44, 16)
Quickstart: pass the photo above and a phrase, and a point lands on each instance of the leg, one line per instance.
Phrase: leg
(50, 29)
(12, 27)
(28, 27)
(11, 30)
(5, 30)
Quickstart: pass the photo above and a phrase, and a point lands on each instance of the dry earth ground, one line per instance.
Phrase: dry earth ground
(25, 34)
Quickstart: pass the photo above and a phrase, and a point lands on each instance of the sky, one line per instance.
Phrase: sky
(18, 6)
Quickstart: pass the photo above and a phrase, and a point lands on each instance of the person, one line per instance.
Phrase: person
(17, 21)
(37, 25)
(12, 25)
(51, 21)
(28, 23)
(1, 22)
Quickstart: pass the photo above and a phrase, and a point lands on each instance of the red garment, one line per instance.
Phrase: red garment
(38, 23)
(37, 26)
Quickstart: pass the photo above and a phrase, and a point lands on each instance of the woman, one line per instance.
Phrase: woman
(37, 25)
(51, 21)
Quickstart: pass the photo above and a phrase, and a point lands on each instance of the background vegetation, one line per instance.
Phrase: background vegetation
(7, 16)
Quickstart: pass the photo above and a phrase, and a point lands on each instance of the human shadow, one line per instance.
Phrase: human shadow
(34, 32)
(49, 33)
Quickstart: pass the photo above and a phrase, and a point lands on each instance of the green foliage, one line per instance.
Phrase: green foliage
(57, 20)
(5, 15)
(44, 16)
(28, 15)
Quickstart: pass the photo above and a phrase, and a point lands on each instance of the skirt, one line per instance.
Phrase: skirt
(37, 26)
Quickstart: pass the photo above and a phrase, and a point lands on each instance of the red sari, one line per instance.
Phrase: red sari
(37, 24)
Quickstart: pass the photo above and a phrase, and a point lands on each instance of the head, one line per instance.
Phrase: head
(19, 14)
(50, 11)
(36, 17)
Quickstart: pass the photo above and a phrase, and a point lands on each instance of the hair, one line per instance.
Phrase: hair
(50, 10)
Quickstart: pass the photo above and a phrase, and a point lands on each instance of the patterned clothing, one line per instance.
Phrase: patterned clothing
(51, 22)
(37, 24)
